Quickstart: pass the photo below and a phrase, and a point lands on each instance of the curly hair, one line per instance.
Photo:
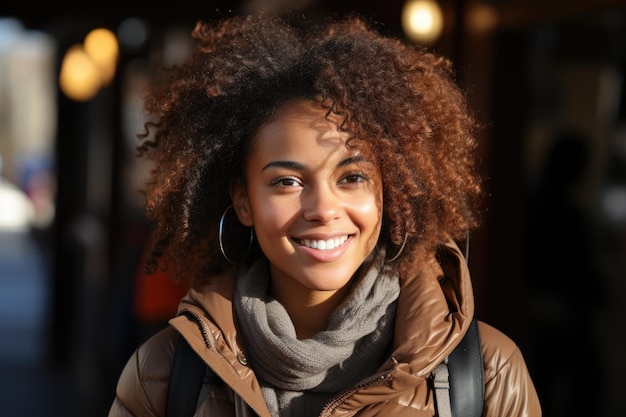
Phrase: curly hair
(398, 101)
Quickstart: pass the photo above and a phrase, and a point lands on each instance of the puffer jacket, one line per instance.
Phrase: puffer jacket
(434, 312)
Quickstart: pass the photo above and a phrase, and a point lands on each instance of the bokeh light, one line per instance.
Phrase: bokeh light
(80, 78)
(88, 67)
(422, 21)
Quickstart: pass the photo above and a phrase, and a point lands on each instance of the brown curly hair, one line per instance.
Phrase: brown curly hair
(397, 99)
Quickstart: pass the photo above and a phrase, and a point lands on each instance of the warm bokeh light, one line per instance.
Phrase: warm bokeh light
(422, 21)
(80, 78)
(482, 18)
(88, 67)
(102, 46)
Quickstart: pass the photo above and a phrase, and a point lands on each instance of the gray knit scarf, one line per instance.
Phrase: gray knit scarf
(298, 377)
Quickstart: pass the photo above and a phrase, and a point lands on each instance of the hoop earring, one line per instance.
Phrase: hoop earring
(220, 237)
(397, 255)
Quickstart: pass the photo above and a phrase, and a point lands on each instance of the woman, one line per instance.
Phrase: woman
(312, 182)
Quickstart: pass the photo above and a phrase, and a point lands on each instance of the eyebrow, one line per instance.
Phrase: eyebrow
(284, 164)
(352, 160)
(300, 167)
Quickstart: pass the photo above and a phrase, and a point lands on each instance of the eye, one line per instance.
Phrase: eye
(354, 177)
(285, 181)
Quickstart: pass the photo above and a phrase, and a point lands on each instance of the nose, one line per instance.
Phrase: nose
(320, 204)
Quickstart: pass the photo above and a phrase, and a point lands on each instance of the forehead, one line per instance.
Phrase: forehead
(299, 123)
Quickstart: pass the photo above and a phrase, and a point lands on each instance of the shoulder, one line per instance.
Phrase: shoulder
(499, 351)
(509, 389)
(498, 348)
(154, 357)
(144, 381)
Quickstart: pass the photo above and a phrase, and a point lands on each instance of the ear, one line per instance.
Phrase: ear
(241, 203)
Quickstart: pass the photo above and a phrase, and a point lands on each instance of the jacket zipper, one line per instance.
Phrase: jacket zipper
(201, 325)
(342, 396)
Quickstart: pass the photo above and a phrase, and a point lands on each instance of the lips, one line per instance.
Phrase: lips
(320, 244)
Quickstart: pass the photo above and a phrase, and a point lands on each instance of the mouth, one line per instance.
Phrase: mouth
(323, 244)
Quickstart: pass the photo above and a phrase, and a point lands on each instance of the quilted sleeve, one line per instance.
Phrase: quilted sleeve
(509, 389)
(142, 386)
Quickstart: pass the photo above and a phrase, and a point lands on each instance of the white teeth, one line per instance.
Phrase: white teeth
(324, 244)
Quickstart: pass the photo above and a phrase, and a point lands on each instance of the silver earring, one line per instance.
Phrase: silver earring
(397, 255)
(220, 237)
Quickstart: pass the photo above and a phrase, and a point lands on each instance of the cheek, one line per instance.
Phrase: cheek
(371, 210)
(370, 214)
(271, 217)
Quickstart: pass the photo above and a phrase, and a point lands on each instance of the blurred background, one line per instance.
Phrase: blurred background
(546, 79)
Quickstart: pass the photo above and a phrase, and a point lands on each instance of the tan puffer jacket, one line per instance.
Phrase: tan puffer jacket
(434, 312)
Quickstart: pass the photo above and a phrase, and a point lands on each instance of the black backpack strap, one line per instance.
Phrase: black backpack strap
(465, 364)
(458, 383)
(188, 372)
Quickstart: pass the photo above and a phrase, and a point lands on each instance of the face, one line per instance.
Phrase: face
(315, 206)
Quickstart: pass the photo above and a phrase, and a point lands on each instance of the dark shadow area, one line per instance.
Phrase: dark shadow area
(564, 292)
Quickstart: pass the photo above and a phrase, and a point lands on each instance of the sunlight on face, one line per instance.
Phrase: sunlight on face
(314, 204)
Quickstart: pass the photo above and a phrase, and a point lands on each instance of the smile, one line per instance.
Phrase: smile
(324, 244)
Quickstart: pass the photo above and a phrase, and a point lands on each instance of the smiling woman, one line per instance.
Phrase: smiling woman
(304, 185)
(315, 206)
(353, 289)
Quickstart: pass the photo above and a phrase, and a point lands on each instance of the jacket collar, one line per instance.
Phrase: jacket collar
(435, 309)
